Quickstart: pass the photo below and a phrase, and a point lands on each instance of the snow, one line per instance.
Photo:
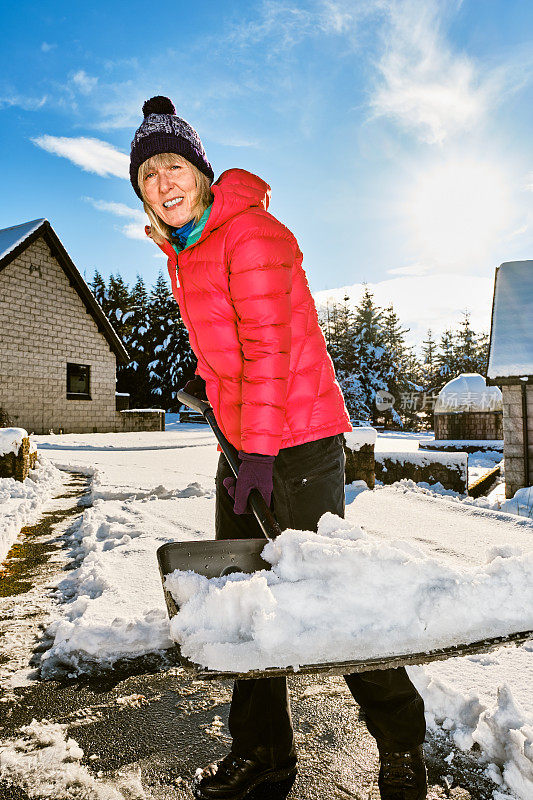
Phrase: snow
(511, 337)
(21, 502)
(10, 238)
(150, 488)
(521, 503)
(327, 591)
(142, 410)
(46, 764)
(488, 444)
(468, 392)
(359, 437)
(11, 440)
(471, 698)
(452, 460)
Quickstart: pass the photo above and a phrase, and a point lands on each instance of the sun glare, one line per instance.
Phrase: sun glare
(457, 212)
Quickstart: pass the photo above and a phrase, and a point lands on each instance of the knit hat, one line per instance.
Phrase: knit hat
(164, 132)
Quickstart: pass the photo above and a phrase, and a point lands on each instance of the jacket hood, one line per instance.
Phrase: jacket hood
(235, 191)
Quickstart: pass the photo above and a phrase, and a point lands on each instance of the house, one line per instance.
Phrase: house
(58, 351)
(510, 366)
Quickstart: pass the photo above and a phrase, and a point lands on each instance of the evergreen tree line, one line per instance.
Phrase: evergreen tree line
(152, 331)
(366, 343)
(368, 348)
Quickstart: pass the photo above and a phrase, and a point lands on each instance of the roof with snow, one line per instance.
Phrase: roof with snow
(14, 240)
(511, 335)
(10, 238)
(468, 392)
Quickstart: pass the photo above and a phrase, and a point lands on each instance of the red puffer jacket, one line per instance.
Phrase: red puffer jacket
(253, 325)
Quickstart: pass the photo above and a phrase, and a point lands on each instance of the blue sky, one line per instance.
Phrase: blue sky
(396, 136)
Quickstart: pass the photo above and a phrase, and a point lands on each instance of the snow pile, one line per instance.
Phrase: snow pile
(521, 503)
(45, 763)
(328, 598)
(11, 440)
(112, 604)
(468, 392)
(103, 619)
(458, 697)
(21, 503)
(356, 438)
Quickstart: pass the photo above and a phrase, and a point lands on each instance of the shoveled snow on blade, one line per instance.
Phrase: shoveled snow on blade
(343, 594)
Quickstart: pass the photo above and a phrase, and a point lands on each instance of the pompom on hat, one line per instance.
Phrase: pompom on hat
(162, 131)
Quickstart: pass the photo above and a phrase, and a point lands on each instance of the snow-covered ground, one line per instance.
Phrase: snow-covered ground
(151, 488)
(21, 503)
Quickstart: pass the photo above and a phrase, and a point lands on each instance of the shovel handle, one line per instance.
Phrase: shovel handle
(260, 510)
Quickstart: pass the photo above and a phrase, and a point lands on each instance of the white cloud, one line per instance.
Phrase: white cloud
(286, 22)
(92, 155)
(27, 103)
(46, 47)
(118, 209)
(132, 230)
(425, 86)
(85, 83)
(422, 302)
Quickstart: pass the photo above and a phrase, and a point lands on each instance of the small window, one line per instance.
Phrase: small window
(78, 382)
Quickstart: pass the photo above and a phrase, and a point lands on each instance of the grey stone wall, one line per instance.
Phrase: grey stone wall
(138, 420)
(469, 425)
(513, 436)
(43, 325)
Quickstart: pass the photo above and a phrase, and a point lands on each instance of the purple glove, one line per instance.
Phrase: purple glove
(255, 472)
(196, 387)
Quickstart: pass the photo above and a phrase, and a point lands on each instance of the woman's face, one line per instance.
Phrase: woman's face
(171, 192)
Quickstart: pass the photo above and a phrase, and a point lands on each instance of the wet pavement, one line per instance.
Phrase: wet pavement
(149, 718)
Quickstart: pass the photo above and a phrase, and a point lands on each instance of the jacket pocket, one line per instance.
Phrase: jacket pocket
(322, 474)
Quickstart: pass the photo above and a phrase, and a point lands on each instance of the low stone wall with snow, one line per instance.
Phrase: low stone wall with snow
(17, 456)
(141, 419)
(449, 469)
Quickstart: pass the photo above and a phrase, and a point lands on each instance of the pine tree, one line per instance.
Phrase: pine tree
(429, 362)
(99, 290)
(446, 364)
(369, 350)
(338, 323)
(119, 306)
(396, 366)
(136, 378)
(172, 361)
(465, 346)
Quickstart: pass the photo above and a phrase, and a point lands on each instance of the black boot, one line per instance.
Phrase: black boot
(402, 776)
(235, 776)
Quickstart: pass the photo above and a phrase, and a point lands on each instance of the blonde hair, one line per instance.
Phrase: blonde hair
(159, 229)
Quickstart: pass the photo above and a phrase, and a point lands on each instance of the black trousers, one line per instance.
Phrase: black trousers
(308, 481)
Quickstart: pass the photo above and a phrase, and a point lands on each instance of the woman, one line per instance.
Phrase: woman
(237, 275)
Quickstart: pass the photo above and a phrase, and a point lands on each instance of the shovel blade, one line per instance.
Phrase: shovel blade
(211, 559)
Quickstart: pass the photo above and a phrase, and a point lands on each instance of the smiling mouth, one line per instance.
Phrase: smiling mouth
(174, 202)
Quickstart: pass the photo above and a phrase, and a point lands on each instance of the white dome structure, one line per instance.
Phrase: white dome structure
(468, 393)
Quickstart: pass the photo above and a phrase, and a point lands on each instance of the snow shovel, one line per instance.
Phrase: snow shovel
(216, 558)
